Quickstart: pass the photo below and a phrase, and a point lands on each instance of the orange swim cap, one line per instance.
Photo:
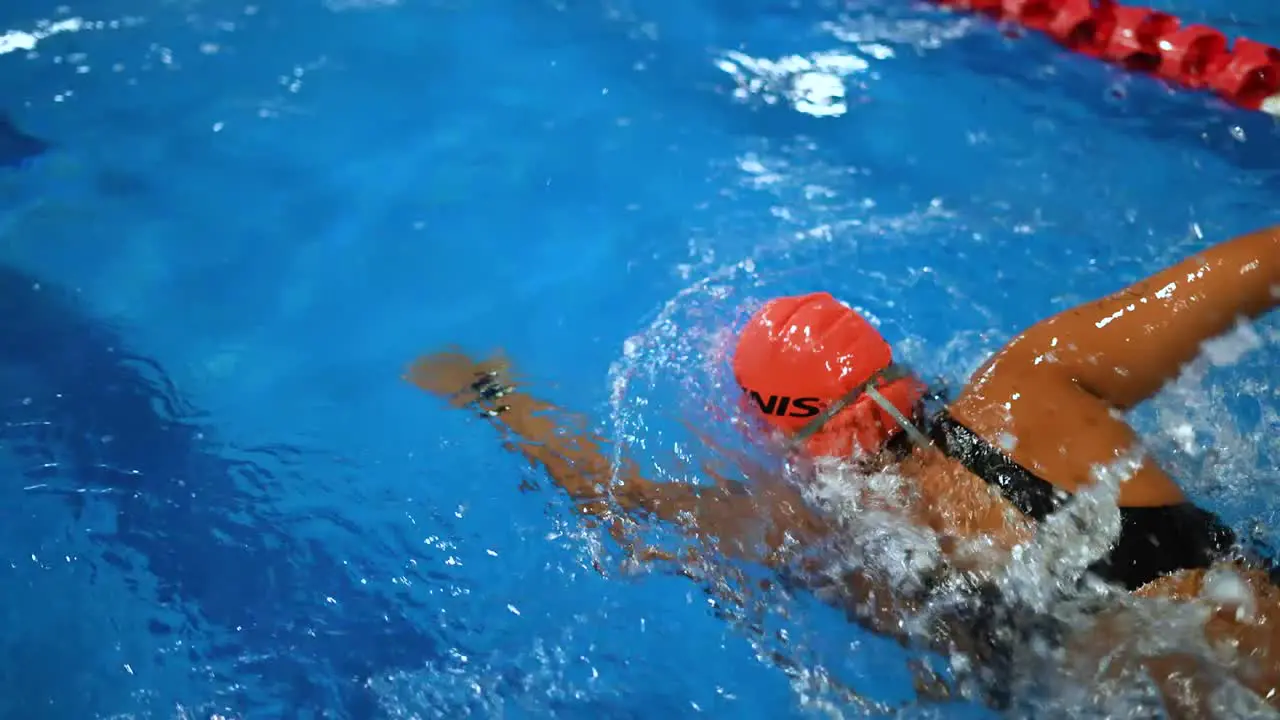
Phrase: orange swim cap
(799, 354)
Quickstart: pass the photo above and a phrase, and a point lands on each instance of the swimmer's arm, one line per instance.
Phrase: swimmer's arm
(1125, 347)
(756, 524)
(748, 524)
(1114, 648)
(1074, 373)
(761, 523)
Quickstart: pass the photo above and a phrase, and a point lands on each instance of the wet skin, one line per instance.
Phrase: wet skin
(1059, 389)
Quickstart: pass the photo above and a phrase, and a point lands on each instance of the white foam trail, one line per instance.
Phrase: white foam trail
(15, 40)
(1229, 348)
(813, 85)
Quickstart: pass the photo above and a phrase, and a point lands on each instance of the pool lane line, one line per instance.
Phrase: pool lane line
(1245, 73)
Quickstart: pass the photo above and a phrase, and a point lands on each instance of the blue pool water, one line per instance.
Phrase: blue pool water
(223, 500)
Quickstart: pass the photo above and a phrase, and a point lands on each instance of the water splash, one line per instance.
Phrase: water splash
(675, 368)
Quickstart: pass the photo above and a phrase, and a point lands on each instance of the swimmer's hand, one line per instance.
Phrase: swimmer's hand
(452, 375)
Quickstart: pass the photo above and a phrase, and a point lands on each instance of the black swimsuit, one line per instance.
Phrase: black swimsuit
(1153, 542)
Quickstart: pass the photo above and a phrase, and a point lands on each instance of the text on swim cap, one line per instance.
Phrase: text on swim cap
(781, 405)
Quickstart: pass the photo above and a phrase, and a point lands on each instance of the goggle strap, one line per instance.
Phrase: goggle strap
(918, 438)
(888, 374)
(891, 372)
(823, 417)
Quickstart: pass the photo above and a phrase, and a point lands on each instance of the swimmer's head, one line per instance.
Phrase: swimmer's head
(816, 370)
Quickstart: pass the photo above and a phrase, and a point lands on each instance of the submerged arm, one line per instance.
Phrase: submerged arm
(744, 524)
(764, 523)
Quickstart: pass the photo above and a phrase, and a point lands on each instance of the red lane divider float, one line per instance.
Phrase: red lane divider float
(1245, 73)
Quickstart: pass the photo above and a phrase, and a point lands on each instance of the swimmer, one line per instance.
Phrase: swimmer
(1028, 431)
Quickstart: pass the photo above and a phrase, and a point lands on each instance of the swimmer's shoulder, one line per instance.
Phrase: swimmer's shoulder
(1053, 428)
